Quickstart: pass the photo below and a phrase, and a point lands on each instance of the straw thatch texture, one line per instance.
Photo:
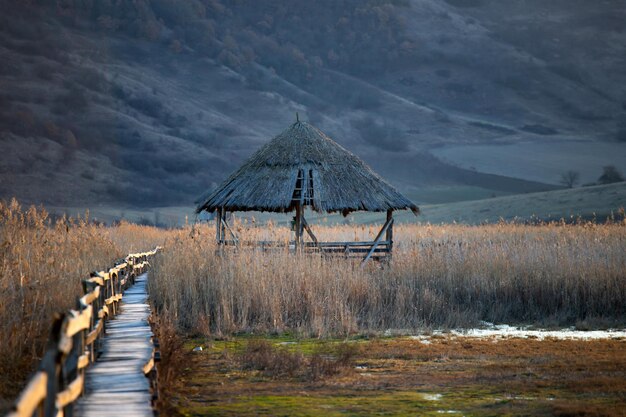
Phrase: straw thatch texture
(332, 179)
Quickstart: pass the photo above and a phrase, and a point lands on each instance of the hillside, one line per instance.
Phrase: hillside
(148, 103)
(587, 203)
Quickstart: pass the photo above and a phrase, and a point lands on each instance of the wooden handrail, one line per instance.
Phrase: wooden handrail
(70, 351)
(71, 393)
(78, 321)
(90, 297)
(32, 397)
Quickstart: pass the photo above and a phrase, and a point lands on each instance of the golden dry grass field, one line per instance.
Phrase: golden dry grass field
(42, 262)
(441, 277)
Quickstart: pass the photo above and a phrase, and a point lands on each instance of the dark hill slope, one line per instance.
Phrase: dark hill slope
(152, 102)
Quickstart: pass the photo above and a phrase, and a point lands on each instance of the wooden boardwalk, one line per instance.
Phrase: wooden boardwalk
(115, 384)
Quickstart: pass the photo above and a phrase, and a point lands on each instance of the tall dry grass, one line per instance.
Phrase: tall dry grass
(133, 238)
(450, 276)
(42, 263)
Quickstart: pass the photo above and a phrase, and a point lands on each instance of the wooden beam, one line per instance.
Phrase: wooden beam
(309, 231)
(298, 225)
(103, 312)
(83, 361)
(95, 281)
(377, 240)
(389, 234)
(71, 393)
(218, 225)
(222, 223)
(90, 297)
(235, 238)
(31, 398)
(93, 335)
(78, 321)
(150, 364)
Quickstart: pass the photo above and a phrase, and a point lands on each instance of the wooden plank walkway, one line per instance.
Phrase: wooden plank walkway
(115, 384)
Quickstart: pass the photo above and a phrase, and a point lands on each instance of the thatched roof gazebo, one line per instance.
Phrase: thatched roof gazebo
(299, 168)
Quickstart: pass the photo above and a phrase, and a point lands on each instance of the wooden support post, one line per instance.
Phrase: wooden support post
(309, 231)
(51, 366)
(389, 236)
(384, 229)
(298, 226)
(220, 227)
(234, 236)
(223, 223)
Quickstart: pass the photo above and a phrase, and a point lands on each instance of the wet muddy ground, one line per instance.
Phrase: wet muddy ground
(432, 375)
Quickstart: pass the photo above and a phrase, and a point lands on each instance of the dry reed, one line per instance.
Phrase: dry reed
(440, 276)
(42, 263)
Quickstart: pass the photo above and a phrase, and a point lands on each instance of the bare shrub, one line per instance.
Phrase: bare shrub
(280, 362)
(570, 178)
(610, 174)
(172, 362)
(273, 361)
(332, 359)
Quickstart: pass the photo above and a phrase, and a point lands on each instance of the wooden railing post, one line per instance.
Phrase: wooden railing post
(50, 365)
(389, 235)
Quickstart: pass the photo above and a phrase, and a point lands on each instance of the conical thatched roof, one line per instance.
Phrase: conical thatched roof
(303, 164)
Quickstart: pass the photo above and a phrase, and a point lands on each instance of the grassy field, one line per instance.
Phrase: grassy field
(460, 204)
(597, 202)
(535, 161)
(600, 202)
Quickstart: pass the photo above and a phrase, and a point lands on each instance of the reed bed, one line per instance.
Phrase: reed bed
(42, 263)
(440, 276)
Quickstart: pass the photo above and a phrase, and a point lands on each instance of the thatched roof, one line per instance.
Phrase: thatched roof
(303, 164)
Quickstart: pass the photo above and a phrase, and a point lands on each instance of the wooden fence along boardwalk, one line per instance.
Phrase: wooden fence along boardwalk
(116, 384)
(97, 361)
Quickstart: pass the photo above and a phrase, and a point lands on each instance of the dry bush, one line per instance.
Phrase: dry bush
(332, 359)
(278, 361)
(173, 361)
(440, 276)
(273, 361)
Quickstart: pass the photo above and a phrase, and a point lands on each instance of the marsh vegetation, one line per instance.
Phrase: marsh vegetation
(440, 276)
(399, 376)
(42, 262)
(274, 322)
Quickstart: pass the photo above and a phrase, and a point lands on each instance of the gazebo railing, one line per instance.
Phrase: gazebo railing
(382, 249)
(378, 248)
